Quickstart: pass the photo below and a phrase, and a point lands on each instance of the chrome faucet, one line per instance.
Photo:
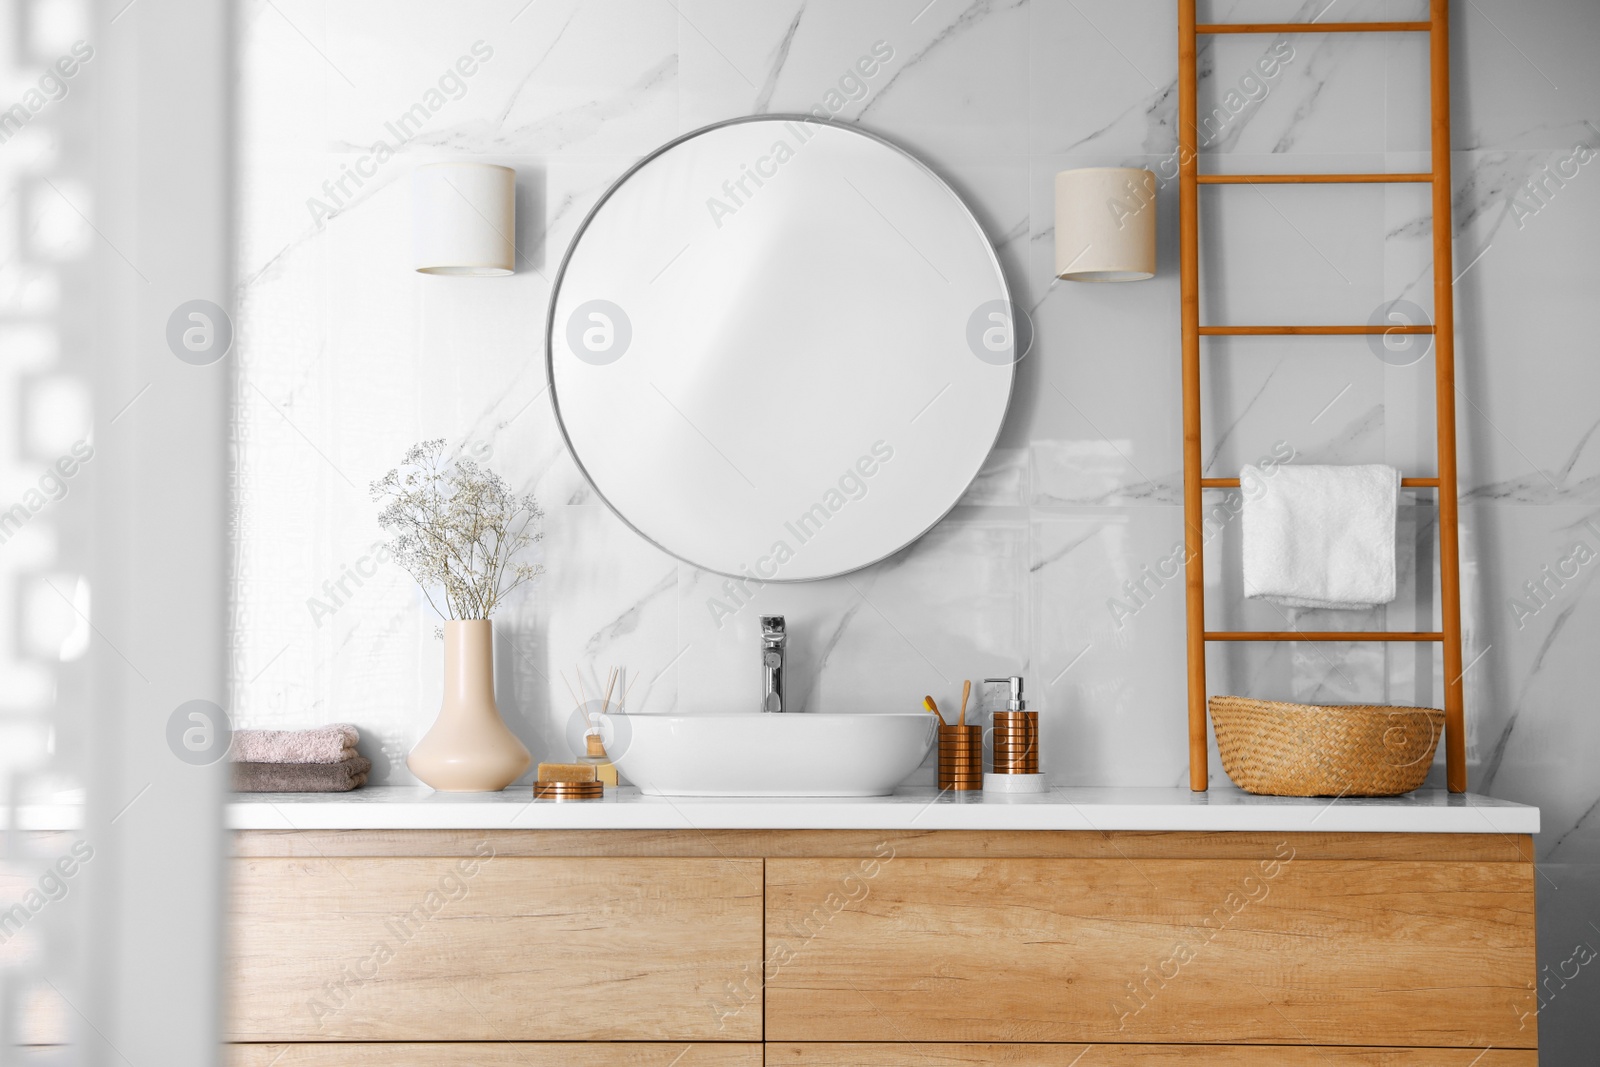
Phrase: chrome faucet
(774, 648)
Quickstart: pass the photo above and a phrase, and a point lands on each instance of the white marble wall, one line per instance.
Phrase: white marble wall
(346, 357)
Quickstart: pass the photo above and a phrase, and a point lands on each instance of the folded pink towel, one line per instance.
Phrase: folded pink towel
(325, 744)
(301, 777)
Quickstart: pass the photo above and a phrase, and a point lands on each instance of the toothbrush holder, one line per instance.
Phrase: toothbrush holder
(961, 757)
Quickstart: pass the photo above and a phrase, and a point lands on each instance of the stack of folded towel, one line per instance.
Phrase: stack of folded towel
(1322, 536)
(323, 760)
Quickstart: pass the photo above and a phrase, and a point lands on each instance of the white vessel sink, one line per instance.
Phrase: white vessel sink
(775, 755)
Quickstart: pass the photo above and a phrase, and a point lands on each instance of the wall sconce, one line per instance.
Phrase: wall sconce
(464, 219)
(1106, 224)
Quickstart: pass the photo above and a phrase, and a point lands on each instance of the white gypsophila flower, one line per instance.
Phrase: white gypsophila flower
(456, 527)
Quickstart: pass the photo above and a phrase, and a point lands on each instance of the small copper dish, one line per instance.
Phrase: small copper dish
(568, 790)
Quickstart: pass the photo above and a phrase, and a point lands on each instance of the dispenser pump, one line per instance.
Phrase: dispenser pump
(1014, 702)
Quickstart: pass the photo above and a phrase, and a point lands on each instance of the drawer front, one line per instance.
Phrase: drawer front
(495, 949)
(1291, 952)
(499, 1054)
(924, 1055)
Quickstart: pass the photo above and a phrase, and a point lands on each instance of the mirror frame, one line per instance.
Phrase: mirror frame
(645, 160)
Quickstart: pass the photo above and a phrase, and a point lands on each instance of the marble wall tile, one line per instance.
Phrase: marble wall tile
(1529, 74)
(1311, 96)
(1093, 439)
(1526, 413)
(1109, 646)
(333, 350)
(1538, 611)
(1287, 253)
(952, 606)
(610, 599)
(1103, 78)
(1309, 10)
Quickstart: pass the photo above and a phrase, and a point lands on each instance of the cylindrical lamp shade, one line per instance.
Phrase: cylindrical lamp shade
(464, 219)
(1106, 224)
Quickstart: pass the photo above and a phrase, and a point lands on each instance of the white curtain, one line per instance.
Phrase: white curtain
(115, 212)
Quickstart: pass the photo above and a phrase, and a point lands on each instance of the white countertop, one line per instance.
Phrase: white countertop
(910, 808)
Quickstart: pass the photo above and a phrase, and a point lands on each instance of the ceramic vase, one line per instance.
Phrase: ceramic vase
(469, 748)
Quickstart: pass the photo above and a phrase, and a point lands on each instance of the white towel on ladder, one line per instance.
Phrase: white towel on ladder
(1321, 536)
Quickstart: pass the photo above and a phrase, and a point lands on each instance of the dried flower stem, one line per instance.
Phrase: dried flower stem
(457, 527)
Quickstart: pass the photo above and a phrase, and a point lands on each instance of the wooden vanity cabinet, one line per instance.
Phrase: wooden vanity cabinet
(946, 948)
(913, 1054)
(498, 1054)
(487, 947)
(1177, 951)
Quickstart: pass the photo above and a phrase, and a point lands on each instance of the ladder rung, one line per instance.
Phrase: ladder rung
(1313, 27)
(1311, 179)
(1233, 483)
(1290, 331)
(1321, 635)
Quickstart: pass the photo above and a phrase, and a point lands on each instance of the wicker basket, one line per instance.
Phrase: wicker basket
(1310, 750)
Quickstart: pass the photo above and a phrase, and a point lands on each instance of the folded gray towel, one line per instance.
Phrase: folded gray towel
(324, 744)
(301, 777)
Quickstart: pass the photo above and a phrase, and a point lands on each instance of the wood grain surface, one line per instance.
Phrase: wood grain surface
(495, 949)
(784, 1054)
(1331, 952)
(501, 1054)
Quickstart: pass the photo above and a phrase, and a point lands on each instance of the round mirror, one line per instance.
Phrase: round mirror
(781, 348)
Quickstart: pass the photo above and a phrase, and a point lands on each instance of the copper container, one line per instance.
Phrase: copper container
(961, 757)
(1016, 742)
(568, 790)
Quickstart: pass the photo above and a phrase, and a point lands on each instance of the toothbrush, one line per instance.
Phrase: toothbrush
(928, 703)
(966, 691)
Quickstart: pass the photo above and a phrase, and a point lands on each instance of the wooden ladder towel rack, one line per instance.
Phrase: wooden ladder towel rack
(1443, 330)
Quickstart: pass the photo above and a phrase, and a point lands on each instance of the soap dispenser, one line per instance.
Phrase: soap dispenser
(1015, 767)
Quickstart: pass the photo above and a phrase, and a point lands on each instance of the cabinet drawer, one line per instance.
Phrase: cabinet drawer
(1288, 952)
(500, 1054)
(494, 949)
(923, 1055)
